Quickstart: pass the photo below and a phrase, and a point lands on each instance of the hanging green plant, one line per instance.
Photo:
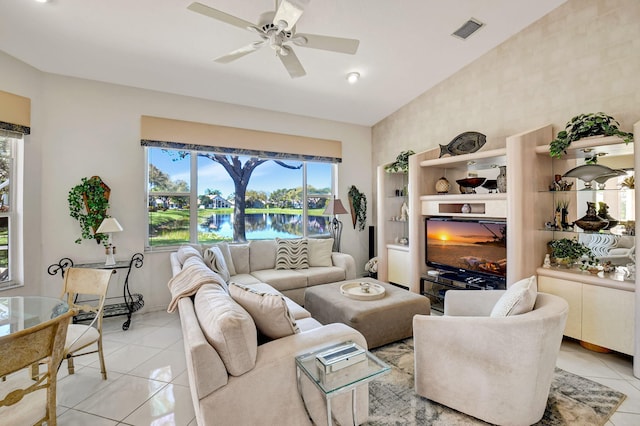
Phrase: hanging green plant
(401, 165)
(585, 125)
(88, 204)
(358, 205)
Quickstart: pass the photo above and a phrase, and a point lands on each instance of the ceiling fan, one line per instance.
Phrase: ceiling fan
(277, 30)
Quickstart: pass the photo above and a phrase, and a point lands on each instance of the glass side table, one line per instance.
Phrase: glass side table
(345, 380)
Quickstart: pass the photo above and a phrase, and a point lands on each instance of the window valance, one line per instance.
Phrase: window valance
(15, 113)
(189, 135)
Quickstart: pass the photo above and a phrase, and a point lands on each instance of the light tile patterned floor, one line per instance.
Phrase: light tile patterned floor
(148, 385)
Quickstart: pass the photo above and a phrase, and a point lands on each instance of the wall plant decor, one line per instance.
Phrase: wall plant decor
(358, 205)
(585, 125)
(88, 204)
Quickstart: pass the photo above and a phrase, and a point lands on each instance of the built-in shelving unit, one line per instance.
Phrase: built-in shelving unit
(514, 205)
(601, 307)
(393, 227)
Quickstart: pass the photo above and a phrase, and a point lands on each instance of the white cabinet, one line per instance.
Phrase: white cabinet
(398, 265)
(570, 291)
(601, 311)
(607, 318)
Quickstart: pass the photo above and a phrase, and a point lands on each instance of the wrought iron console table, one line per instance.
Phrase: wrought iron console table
(131, 303)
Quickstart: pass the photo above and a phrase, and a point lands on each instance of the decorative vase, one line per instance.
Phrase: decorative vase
(591, 221)
(442, 185)
(501, 180)
(466, 208)
(603, 213)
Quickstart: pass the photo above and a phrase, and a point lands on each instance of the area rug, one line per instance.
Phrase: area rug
(573, 400)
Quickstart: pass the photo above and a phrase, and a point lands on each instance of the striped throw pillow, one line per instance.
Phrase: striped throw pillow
(292, 254)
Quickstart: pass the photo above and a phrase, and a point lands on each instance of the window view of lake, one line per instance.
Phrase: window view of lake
(265, 226)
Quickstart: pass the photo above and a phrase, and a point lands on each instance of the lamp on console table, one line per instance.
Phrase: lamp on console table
(334, 208)
(108, 226)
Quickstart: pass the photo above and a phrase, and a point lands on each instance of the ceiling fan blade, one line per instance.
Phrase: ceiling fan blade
(219, 15)
(239, 53)
(333, 44)
(291, 62)
(289, 12)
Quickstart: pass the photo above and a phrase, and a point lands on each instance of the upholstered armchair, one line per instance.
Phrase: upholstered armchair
(496, 369)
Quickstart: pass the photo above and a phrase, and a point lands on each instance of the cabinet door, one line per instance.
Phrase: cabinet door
(398, 266)
(570, 291)
(608, 316)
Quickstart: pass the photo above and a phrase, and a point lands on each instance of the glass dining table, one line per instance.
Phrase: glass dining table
(22, 312)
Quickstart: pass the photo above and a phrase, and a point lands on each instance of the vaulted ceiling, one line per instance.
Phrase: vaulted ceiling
(406, 47)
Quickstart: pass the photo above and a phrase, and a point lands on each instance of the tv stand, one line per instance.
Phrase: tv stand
(435, 285)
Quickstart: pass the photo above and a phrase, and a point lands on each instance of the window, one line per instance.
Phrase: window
(7, 209)
(193, 197)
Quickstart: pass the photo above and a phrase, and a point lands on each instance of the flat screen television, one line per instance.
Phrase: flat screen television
(469, 248)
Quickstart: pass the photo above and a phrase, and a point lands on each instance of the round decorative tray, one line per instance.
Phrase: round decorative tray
(362, 290)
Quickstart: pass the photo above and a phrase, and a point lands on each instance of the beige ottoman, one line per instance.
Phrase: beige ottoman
(381, 321)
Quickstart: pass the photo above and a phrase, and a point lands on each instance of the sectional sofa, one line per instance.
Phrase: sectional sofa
(241, 355)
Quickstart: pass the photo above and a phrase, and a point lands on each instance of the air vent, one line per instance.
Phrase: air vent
(468, 28)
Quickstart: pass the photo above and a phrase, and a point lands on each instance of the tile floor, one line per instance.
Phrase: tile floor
(147, 383)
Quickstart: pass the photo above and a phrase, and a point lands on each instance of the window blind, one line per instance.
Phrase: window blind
(189, 135)
(15, 113)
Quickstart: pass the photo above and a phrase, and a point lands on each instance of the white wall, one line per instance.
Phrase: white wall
(84, 128)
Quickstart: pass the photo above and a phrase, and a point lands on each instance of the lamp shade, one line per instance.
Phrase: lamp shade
(335, 207)
(109, 224)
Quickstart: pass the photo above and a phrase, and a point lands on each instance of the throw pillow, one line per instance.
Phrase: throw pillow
(292, 254)
(268, 309)
(226, 253)
(320, 251)
(240, 255)
(228, 328)
(185, 252)
(214, 259)
(518, 299)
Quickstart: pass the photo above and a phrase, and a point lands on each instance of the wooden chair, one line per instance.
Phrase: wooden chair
(25, 401)
(81, 283)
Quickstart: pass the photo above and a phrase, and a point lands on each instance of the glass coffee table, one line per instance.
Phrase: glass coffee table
(344, 380)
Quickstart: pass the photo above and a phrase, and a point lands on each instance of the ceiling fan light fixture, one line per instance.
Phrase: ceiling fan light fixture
(353, 77)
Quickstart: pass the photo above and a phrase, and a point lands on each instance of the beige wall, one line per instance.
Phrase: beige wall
(83, 128)
(582, 57)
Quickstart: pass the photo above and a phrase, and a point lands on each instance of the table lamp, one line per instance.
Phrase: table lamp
(108, 226)
(335, 207)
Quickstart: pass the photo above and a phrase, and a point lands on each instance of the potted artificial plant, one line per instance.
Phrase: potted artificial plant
(401, 165)
(567, 251)
(88, 203)
(585, 125)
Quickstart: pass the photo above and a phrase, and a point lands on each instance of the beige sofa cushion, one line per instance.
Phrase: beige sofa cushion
(322, 275)
(240, 256)
(518, 299)
(267, 308)
(262, 254)
(228, 328)
(292, 254)
(281, 280)
(320, 251)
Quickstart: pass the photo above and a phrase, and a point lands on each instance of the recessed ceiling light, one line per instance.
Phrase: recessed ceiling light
(353, 77)
(42, 1)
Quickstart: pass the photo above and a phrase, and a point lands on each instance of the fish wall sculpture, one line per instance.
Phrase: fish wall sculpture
(464, 143)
